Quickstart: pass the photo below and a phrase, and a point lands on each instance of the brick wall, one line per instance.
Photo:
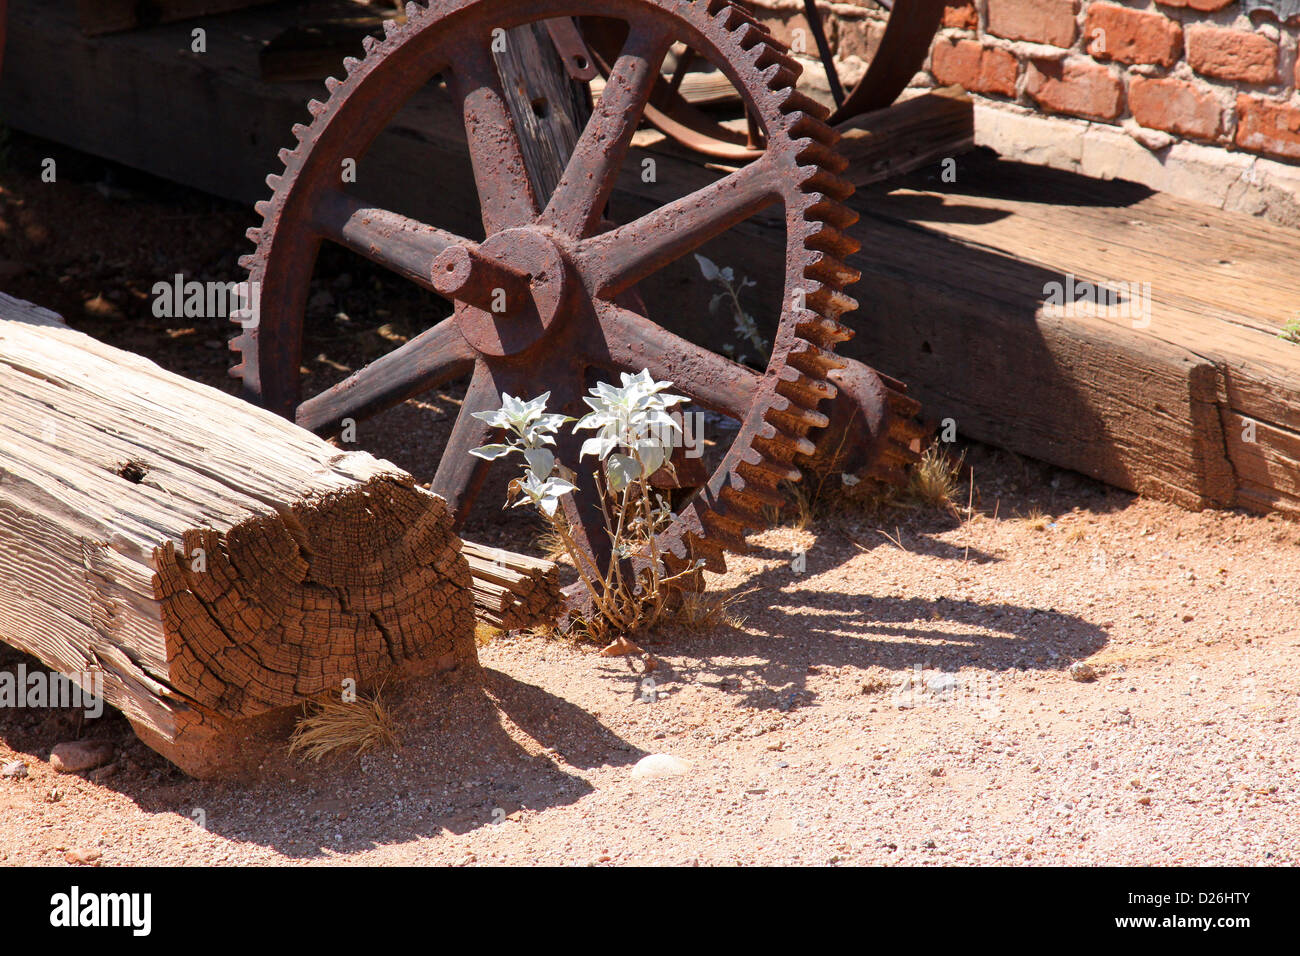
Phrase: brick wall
(1165, 70)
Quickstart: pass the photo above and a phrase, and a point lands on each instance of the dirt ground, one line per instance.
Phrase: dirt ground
(906, 697)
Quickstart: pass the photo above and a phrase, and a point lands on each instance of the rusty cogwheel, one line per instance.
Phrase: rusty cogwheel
(901, 51)
(569, 275)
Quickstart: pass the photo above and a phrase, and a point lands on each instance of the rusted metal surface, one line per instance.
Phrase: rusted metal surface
(873, 432)
(549, 299)
(906, 42)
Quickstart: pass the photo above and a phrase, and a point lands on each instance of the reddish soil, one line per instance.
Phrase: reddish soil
(905, 699)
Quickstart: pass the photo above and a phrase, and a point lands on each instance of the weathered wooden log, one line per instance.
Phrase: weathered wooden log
(513, 590)
(209, 561)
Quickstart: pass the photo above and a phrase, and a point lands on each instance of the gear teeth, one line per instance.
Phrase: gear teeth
(368, 43)
(805, 389)
(796, 102)
(816, 180)
(724, 532)
(390, 27)
(815, 361)
(275, 182)
(780, 470)
(771, 54)
(760, 486)
(825, 333)
(744, 508)
(332, 83)
(778, 76)
(833, 213)
(300, 132)
(285, 154)
(751, 35)
(822, 155)
(831, 270)
(827, 239)
(246, 262)
(755, 497)
(710, 551)
(350, 63)
(801, 417)
(254, 235)
(263, 208)
(829, 301)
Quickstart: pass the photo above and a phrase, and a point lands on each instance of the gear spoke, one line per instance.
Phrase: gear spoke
(579, 199)
(460, 474)
(624, 256)
(632, 342)
(504, 189)
(434, 357)
(406, 246)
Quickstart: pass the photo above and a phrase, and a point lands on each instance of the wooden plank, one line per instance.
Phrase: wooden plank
(1220, 291)
(925, 129)
(210, 561)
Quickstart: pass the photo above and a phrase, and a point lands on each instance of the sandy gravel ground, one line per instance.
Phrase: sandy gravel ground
(906, 699)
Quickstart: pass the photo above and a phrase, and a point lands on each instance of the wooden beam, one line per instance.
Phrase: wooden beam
(210, 561)
(925, 129)
(112, 16)
(955, 278)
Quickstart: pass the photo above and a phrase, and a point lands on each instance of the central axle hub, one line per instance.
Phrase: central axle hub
(508, 290)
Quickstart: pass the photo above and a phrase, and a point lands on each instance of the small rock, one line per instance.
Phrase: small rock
(83, 857)
(660, 765)
(77, 755)
(14, 769)
(1082, 671)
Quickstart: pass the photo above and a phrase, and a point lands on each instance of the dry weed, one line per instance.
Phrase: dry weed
(335, 726)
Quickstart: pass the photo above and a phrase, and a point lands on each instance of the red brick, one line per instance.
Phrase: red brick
(1130, 36)
(1267, 127)
(1039, 21)
(1079, 87)
(1175, 106)
(978, 68)
(1205, 6)
(960, 15)
(1231, 54)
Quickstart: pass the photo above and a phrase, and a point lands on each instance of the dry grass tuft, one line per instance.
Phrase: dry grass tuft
(708, 611)
(933, 481)
(338, 726)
